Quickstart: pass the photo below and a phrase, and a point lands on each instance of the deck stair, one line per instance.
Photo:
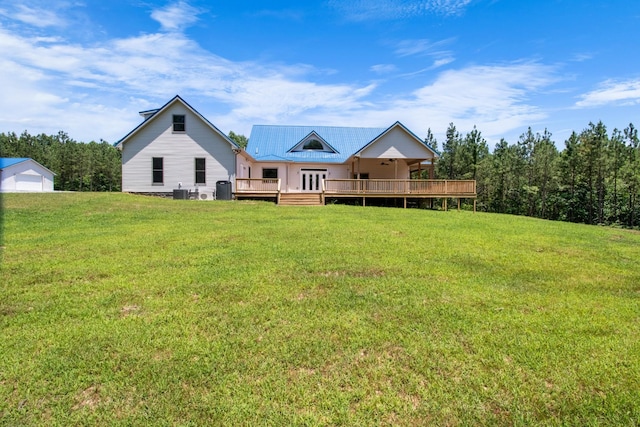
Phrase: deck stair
(301, 199)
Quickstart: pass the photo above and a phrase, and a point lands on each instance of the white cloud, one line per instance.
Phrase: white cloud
(486, 93)
(612, 93)
(362, 10)
(423, 46)
(442, 62)
(495, 98)
(38, 17)
(383, 68)
(53, 78)
(94, 91)
(581, 57)
(176, 16)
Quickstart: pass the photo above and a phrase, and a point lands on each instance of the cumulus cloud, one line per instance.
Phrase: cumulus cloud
(59, 75)
(93, 90)
(496, 98)
(612, 93)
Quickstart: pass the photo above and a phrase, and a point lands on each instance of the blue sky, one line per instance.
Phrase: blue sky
(88, 67)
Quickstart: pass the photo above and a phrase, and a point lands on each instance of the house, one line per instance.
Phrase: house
(308, 164)
(175, 147)
(24, 174)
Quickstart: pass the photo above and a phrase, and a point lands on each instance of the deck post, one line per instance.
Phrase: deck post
(405, 203)
(458, 203)
(474, 205)
(364, 203)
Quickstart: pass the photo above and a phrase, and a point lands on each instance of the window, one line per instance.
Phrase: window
(201, 174)
(158, 170)
(313, 144)
(270, 173)
(178, 123)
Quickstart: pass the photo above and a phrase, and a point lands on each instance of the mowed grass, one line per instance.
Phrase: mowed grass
(126, 310)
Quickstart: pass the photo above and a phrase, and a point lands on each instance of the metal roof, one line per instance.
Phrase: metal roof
(273, 143)
(5, 162)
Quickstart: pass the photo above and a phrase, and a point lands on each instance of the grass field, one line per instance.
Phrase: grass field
(126, 310)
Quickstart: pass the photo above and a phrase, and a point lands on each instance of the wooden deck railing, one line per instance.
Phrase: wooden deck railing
(258, 185)
(408, 187)
(369, 187)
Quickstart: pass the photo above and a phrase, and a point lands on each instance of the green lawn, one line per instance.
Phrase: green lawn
(126, 310)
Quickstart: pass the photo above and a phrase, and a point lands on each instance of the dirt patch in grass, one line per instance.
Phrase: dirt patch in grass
(88, 398)
(360, 274)
(129, 310)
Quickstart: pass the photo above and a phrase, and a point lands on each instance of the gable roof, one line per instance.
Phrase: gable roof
(300, 146)
(277, 143)
(274, 143)
(406, 129)
(150, 115)
(6, 162)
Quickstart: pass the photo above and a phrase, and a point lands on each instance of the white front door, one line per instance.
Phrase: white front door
(311, 180)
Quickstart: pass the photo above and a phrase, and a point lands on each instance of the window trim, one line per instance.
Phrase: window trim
(155, 170)
(202, 171)
(179, 123)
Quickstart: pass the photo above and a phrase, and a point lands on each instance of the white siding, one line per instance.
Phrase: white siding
(179, 151)
(26, 176)
(397, 144)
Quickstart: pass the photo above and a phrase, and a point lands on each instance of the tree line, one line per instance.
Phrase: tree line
(78, 166)
(595, 179)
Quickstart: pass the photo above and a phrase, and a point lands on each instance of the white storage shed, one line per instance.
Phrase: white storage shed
(24, 175)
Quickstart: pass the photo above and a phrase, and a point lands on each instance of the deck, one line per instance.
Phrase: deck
(364, 188)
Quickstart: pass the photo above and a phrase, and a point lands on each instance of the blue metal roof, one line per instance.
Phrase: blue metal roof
(5, 162)
(274, 143)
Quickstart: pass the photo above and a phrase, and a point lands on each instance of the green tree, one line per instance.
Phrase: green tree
(431, 140)
(630, 174)
(78, 166)
(240, 140)
(447, 165)
(544, 171)
(616, 157)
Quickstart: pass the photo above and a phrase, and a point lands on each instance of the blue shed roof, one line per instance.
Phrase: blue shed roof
(5, 162)
(274, 143)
